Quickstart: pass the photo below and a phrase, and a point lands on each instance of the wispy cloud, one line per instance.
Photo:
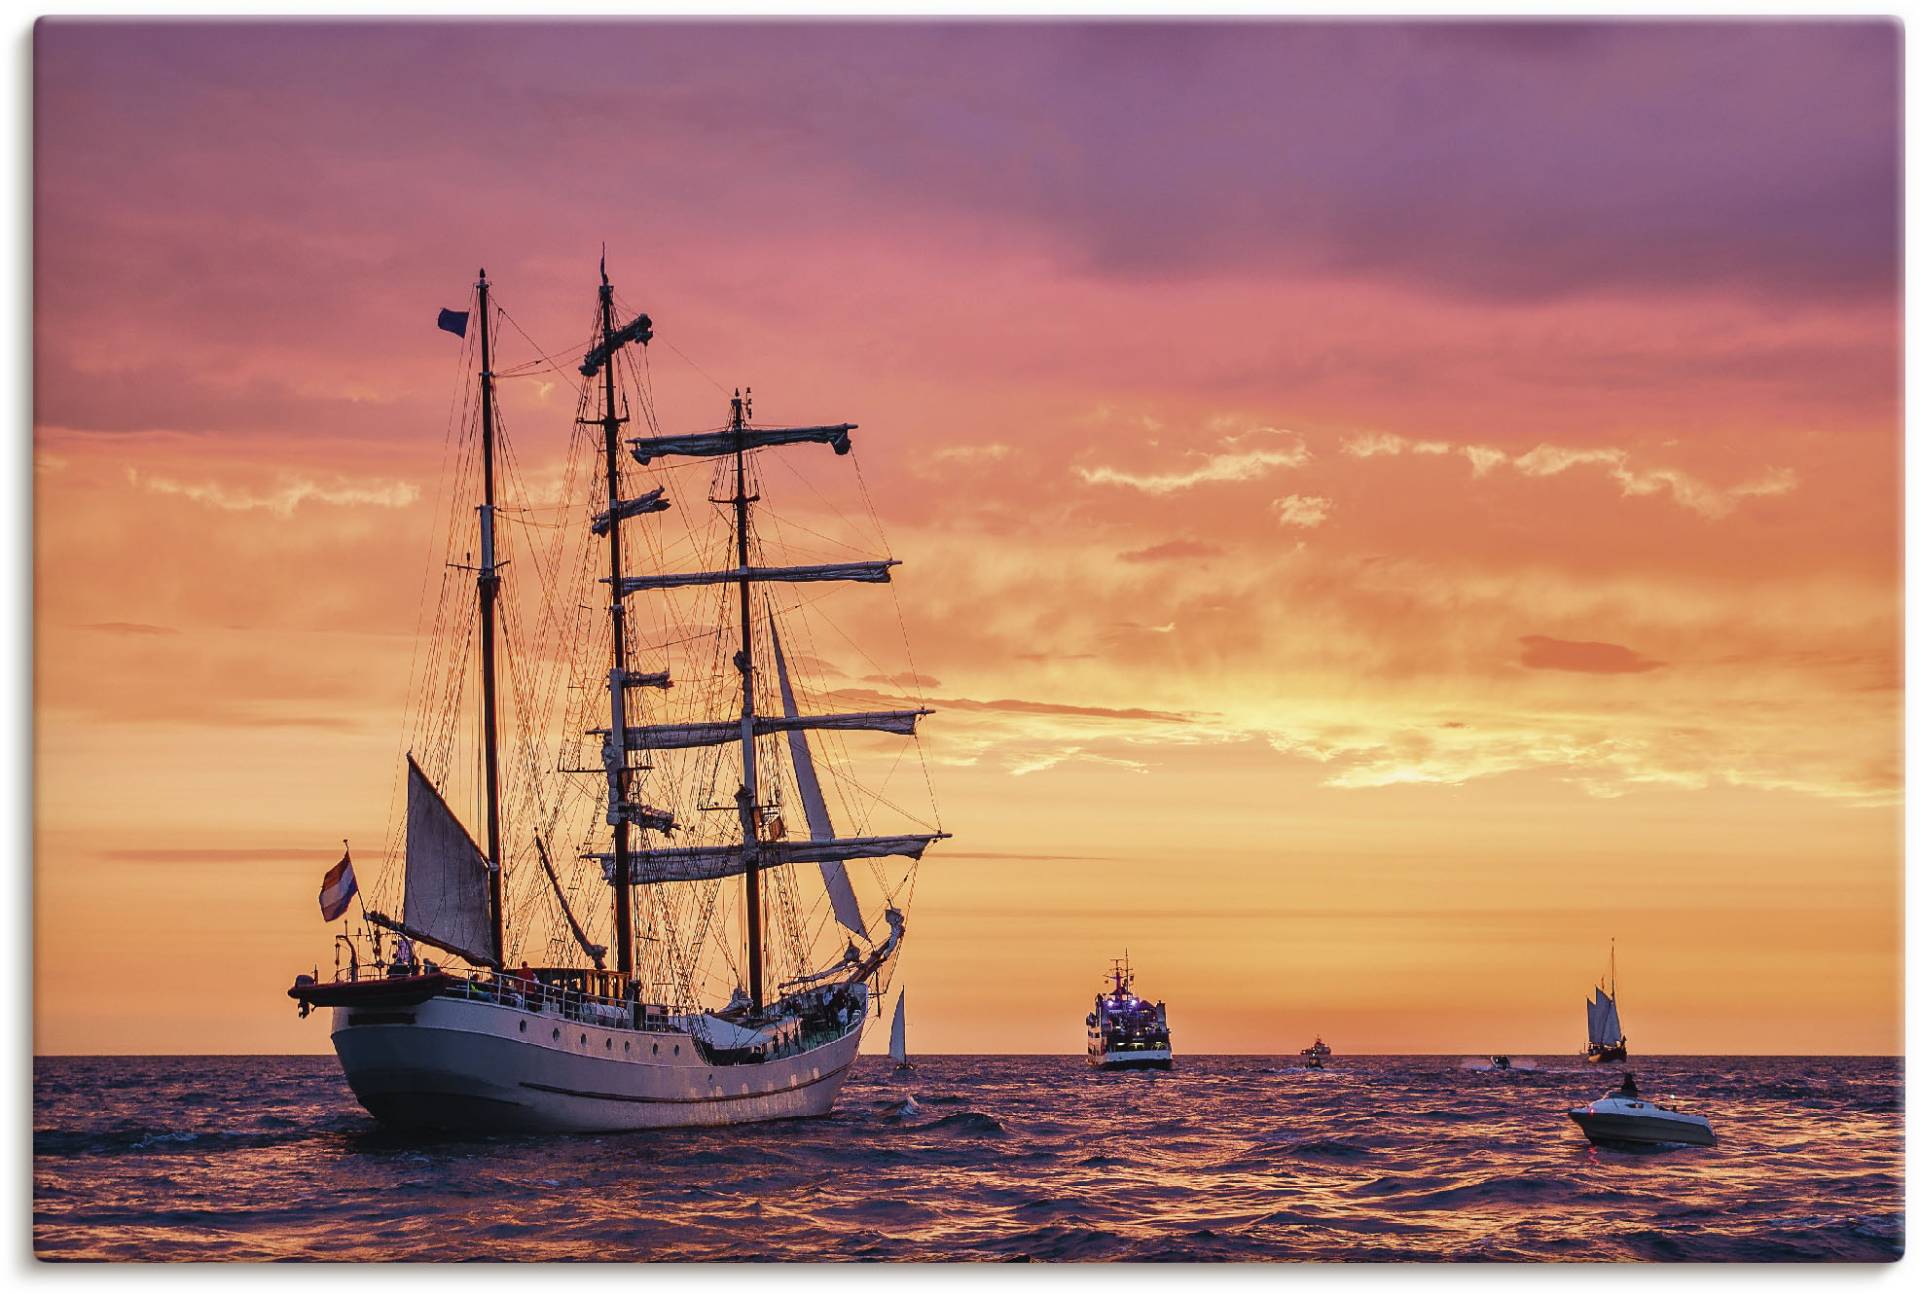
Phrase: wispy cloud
(1237, 457)
(905, 679)
(1305, 510)
(989, 453)
(1541, 652)
(130, 627)
(1042, 760)
(1016, 706)
(284, 498)
(1544, 460)
(1174, 550)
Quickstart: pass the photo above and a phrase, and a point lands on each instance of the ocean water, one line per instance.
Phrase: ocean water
(1226, 1158)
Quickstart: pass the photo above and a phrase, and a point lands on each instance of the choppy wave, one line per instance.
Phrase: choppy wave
(1001, 1158)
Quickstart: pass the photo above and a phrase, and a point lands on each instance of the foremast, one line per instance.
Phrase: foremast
(489, 579)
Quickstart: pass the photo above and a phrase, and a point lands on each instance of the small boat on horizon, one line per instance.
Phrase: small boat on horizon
(1316, 1056)
(1125, 1031)
(1605, 1041)
(1500, 1065)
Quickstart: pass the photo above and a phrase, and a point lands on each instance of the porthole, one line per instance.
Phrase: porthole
(523, 1026)
(583, 1040)
(556, 1035)
(626, 1046)
(609, 1044)
(656, 1049)
(676, 1049)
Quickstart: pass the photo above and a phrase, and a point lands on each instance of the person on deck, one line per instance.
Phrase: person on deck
(1628, 1088)
(403, 957)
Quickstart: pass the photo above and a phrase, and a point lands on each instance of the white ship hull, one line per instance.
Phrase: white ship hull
(468, 1065)
(1146, 1058)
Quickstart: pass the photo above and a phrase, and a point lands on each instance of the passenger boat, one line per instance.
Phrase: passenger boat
(1125, 1031)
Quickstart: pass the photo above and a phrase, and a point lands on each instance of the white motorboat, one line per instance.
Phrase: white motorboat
(1617, 1119)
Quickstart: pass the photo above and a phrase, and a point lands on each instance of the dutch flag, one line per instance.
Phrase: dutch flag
(338, 889)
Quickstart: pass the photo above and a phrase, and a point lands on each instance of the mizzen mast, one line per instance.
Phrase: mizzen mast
(748, 797)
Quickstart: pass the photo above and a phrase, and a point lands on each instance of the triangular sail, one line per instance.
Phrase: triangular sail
(846, 905)
(446, 894)
(897, 1048)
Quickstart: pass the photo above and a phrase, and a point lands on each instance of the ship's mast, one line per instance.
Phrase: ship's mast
(610, 422)
(748, 798)
(489, 594)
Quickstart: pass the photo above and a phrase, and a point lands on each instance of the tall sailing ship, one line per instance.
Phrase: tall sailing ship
(1605, 1041)
(671, 774)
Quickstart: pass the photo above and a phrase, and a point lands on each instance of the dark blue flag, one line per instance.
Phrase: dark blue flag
(454, 321)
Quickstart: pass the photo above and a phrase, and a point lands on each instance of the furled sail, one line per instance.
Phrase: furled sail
(652, 501)
(715, 443)
(862, 572)
(846, 905)
(446, 894)
(684, 736)
(897, 1046)
(639, 329)
(710, 862)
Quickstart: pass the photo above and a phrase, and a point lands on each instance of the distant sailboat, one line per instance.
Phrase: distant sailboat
(897, 1047)
(1605, 1041)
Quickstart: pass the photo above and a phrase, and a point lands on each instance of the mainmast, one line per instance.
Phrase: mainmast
(622, 812)
(610, 423)
(489, 594)
(748, 798)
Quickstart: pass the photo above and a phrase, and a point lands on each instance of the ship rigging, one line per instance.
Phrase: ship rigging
(681, 674)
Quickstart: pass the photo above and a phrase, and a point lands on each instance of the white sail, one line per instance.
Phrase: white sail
(897, 1048)
(846, 905)
(715, 443)
(446, 895)
(860, 572)
(1608, 1012)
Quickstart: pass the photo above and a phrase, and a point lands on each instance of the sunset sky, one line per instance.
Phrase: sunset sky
(1384, 508)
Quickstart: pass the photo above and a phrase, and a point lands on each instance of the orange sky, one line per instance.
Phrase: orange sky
(1359, 616)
